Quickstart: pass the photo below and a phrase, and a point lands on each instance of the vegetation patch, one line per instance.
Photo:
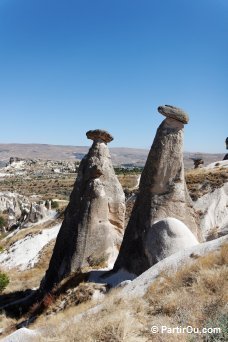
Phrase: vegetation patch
(205, 281)
(54, 205)
(3, 221)
(4, 281)
(203, 181)
(97, 262)
(168, 302)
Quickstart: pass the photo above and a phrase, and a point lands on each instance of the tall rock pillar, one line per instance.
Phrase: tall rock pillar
(162, 193)
(92, 230)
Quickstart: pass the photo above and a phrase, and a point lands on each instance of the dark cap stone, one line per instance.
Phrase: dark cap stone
(174, 113)
(99, 134)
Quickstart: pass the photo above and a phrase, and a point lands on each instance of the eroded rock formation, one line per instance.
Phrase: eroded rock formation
(92, 230)
(162, 192)
(198, 162)
(167, 237)
(213, 207)
(20, 211)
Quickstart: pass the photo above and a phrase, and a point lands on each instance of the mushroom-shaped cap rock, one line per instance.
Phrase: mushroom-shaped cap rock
(99, 134)
(174, 113)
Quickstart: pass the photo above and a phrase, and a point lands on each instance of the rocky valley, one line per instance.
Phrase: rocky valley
(103, 244)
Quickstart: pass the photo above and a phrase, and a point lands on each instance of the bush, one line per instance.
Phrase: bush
(100, 261)
(128, 170)
(54, 205)
(4, 281)
(2, 222)
(218, 322)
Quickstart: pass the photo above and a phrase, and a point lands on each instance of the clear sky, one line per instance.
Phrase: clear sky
(67, 66)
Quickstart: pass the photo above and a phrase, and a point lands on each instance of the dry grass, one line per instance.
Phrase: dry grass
(118, 320)
(199, 182)
(6, 323)
(105, 325)
(96, 263)
(53, 320)
(202, 181)
(22, 280)
(55, 301)
(195, 295)
(54, 186)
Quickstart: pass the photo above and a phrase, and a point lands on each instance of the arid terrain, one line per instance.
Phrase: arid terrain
(113, 171)
(161, 300)
(120, 155)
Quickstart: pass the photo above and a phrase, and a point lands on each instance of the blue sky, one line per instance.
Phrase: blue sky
(67, 66)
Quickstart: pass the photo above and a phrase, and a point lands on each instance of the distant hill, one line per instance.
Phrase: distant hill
(120, 155)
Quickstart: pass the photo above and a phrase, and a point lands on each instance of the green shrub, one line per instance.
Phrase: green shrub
(128, 171)
(54, 205)
(218, 322)
(2, 222)
(4, 281)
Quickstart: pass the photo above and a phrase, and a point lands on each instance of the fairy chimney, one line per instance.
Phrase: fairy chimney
(162, 193)
(93, 225)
